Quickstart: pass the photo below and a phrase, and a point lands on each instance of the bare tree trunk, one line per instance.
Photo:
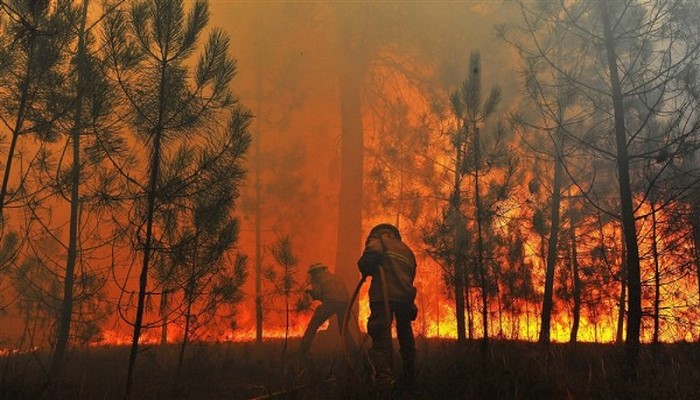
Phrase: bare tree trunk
(64, 323)
(147, 246)
(657, 276)
(481, 265)
(458, 243)
(437, 318)
(499, 304)
(576, 281)
(352, 71)
(286, 323)
(25, 328)
(459, 300)
(189, 298)
(552, 245)
(470, 311)
(527, 319)
(258, 222)
(622, 301)
(163, 310)
(634, 311)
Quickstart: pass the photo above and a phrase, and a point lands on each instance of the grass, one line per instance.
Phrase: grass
(505, 370)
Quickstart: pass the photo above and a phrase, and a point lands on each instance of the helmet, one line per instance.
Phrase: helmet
(317, 266)
(385, 226)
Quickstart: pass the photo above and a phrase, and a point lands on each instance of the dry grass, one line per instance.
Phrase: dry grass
(506, 370)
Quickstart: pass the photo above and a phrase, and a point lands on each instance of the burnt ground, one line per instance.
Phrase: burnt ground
(503, 370)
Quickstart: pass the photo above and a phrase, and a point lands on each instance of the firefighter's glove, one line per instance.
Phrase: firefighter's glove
(369, 262)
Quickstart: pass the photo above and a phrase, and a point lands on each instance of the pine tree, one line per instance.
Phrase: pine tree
(148, 49)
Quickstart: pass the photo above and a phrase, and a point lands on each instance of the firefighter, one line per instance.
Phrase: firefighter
(385, 250)
(333, 294)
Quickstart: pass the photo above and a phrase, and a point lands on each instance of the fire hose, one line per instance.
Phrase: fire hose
(387, 316)
(346, 320)
(344, 331)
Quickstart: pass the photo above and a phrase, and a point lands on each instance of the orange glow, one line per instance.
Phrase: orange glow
(4, 352)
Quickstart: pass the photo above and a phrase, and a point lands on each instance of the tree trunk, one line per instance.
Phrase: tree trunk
(349, 244)
(657, 276)
(552, 244)
(458, 241)
(622, 300)
(19, 124)
(147, 246)
(576, 282)
(459, 291)
(481, 265)
(63, 331)
(189, 298)
(258, 222)
(286, 321)
(470, 311)
(163, 310)
(143, 278)
(634, 311)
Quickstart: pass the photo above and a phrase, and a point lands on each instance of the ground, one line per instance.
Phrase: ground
(501, 370)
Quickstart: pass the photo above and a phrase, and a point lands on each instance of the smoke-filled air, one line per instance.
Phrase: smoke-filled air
(222, 199)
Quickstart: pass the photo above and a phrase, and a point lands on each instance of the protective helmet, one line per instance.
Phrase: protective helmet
(385, 226)
(317, 266)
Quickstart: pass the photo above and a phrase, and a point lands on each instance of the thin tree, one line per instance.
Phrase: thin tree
(457, 221)
(148, 49)
(89, 110)
(33, 45)
(474, 114)
(639, 46)
(72, 254)
(285, 284)
(357, 45)
(203, 227)
(576, 282)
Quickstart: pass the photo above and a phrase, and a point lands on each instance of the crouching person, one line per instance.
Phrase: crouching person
(330, 290)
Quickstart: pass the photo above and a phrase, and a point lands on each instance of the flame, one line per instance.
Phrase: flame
(112, 337)
(248, 334)
(6, 352)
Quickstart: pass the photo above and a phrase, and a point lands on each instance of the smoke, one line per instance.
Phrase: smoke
(288, 75)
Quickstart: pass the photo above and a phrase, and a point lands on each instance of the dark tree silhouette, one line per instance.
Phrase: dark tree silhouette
(167, 102)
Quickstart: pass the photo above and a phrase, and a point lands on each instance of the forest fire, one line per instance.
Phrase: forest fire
(172, 171)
